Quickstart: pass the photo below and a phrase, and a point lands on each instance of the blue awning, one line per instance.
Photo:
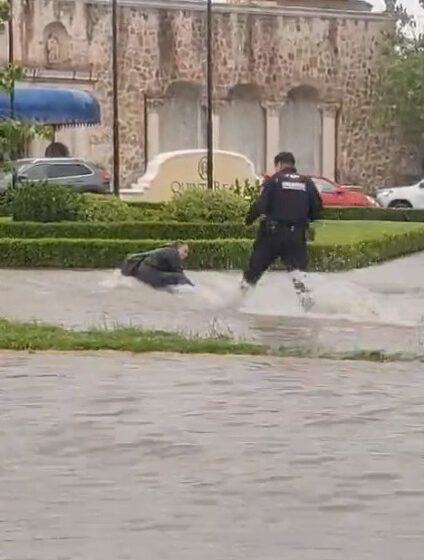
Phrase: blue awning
(52, 106)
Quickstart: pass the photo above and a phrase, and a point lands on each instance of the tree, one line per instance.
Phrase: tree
(15, 135)
(400, 88)
(403, 18)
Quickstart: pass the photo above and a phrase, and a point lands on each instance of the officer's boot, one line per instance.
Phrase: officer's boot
(245, 286)
(302, 290)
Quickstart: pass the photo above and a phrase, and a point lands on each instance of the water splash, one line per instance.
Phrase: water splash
(338, 297)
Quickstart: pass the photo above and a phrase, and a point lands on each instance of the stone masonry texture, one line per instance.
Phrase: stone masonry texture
(273, 48)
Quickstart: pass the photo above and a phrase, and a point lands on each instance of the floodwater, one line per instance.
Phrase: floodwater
(379, 308)
(116, 457)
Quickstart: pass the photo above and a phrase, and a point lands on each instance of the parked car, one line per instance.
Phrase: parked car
(77, 173)
(402, 197)
(333, 194)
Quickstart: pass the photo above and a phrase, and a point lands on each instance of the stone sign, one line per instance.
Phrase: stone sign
(173, 172)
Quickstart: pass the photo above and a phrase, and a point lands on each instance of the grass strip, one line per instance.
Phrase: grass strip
(17, 336)
(33, 337)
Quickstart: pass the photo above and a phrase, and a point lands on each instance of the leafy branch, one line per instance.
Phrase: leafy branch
(15, 134)
(4, 12)
(10, 74)
(399, 94)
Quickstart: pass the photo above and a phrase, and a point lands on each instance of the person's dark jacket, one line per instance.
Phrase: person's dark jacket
(287, 198)
(158, 268)
(165, 259)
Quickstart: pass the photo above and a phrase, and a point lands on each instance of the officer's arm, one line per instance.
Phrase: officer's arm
(315, 201)
(261, 205)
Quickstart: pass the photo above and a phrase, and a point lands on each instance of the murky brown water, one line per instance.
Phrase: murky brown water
(113, 457)
(379, 308)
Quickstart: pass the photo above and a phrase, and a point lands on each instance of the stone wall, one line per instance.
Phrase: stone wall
(273, 49)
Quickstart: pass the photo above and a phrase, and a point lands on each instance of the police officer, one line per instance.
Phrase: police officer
(288, 202)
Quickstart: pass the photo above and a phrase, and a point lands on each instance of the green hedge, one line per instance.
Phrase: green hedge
(369, 213)
(329, 213)
(125, 230)
(147, 205)
(337, 230)
(211, 254)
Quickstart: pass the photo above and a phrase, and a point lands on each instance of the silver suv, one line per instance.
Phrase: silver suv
(77, 173)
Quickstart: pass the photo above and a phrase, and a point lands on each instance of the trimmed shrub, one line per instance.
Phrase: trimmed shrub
(372, 214)
(143, 205)
(126, 230)
(6, 199)
(200, 205)
(211, 254)
(102, 208)
(327, 232)
(43, 202)
(155, 211)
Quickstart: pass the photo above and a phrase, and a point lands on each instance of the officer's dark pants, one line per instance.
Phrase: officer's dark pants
(158, 278)
(286, 242)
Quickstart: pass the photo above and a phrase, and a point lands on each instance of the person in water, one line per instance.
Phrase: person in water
(160, 268)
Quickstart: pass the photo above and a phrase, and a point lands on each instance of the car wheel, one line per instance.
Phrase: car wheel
(400, 204)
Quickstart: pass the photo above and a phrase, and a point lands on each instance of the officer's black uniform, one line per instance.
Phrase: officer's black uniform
(159, 268)
(289, 203)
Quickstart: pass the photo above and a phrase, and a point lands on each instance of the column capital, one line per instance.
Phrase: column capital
(329, 108)
(217, 104)
(154, 103)
(273, 108)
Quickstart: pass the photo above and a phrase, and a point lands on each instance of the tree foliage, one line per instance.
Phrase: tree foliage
(400, 89)
(15, 134)
(4, 13)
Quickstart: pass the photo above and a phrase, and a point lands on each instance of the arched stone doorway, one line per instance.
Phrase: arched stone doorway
(301, 129)
(242, 125)
(181, 118)
(57, 150)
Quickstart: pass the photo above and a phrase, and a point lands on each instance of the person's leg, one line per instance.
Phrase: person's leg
(130, 265)
(295, 254)
(263, 255)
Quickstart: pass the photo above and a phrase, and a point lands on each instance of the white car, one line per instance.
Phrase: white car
(402, 197)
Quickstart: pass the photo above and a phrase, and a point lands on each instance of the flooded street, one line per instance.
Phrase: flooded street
(379, 308)
(114, 457)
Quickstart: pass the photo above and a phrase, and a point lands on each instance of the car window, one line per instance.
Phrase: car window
(34, 172)
(324, 186)
(59, 170)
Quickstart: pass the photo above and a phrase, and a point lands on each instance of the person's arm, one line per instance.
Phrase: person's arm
(173, 260)
(315, 201)
(261, 205)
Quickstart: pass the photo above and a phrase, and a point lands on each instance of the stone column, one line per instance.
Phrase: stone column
(329, 146)
(153, 147)
(272, 128)
(217, 105)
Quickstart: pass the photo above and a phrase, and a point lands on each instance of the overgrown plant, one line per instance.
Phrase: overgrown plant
(248, 190)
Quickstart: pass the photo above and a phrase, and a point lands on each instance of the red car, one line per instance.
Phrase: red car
(333, 194)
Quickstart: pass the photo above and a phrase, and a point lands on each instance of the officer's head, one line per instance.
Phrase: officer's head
(283, 161)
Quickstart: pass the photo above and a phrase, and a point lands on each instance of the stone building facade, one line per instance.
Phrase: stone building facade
(287, 75)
